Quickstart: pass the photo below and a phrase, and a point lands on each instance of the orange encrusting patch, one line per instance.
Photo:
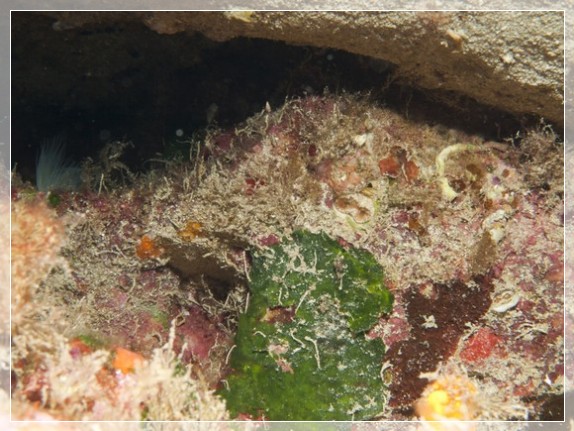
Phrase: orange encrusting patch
(148, 249)
(125, 360)
(449, 398)
(389, 166)
(393, 167)
(411, 170)
(190, 231)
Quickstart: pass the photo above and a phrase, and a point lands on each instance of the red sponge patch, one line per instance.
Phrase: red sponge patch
(480, 346)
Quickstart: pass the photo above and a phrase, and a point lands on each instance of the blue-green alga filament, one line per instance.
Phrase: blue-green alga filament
(301, 352)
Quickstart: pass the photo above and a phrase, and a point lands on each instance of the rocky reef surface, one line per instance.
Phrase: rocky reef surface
(128, 293)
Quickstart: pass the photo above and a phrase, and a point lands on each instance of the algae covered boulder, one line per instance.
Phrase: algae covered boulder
(301, 352)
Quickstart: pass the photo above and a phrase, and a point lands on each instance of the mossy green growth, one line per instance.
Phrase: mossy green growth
(54, 199)
(301, 351)
(91, 341)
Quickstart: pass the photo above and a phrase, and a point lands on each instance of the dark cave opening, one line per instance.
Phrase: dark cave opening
(95, 84)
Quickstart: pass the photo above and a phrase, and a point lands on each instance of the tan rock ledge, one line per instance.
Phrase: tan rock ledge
(511, 60)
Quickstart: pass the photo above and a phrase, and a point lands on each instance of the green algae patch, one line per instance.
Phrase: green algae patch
(301, 352)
